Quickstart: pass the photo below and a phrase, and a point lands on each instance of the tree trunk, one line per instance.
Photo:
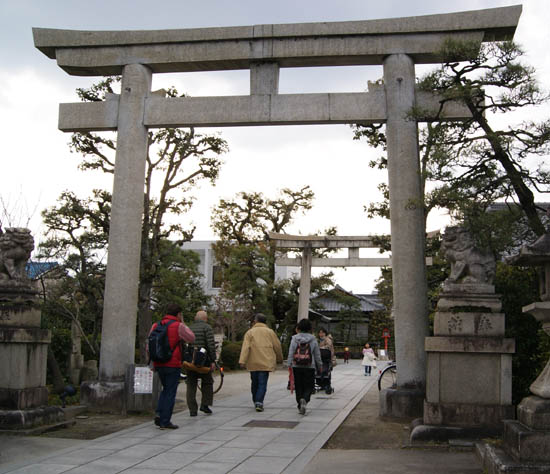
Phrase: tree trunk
(58, 382)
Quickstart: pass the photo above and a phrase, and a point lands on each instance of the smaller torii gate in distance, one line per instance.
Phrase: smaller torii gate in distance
(309, 242)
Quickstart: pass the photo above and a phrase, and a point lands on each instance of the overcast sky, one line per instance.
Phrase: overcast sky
(38, 166)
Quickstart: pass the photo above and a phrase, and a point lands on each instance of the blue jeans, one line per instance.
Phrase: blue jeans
(259, 385)
(170, 378)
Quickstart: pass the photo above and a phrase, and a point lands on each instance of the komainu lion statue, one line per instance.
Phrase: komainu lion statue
(16, 245)
(469, 264)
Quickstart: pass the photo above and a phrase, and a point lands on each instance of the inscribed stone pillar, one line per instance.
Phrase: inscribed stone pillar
(407, 224)
(121, 286)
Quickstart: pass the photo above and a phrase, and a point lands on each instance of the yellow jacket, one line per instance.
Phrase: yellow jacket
(261, 349)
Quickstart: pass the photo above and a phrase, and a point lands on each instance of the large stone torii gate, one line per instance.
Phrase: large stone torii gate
(397, 44)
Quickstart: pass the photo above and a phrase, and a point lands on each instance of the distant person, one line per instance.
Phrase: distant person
(347, 355)
(260, 353)
(204, 339)
(304, 357)
(326, 342)
(369, 359)
(169, 372)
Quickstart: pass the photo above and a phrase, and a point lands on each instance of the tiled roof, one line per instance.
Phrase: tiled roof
(368, 303)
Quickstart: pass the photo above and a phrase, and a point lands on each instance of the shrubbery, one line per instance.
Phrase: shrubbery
(230, 354)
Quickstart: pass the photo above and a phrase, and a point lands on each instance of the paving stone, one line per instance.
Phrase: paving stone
(205, 467)
(263, 465)
(229, 455)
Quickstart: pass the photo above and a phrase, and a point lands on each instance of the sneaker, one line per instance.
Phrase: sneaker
(206, 410)
(302, 408)
(157, 420)
(259, 406)
(192, 413)
(169, 426)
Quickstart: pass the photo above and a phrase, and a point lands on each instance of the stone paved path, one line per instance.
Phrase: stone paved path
(220, 443)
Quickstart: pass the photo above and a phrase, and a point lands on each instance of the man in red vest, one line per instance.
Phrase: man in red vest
(169, 372)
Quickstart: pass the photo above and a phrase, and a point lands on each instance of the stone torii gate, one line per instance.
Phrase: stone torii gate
(397, 44)
(309, 242)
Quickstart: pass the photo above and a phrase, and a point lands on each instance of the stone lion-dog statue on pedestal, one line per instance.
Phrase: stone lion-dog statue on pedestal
(469, 264)
(16, 246)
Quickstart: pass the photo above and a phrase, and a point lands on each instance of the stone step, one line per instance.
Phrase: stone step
(526, 444)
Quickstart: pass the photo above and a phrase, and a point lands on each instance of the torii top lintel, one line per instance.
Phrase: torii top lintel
(96, 53)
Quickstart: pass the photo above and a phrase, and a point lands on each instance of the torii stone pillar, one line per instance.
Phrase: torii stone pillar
(398, 43)
(118, 331)
(407, 238)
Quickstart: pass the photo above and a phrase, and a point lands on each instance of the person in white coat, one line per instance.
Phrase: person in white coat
(369, 359)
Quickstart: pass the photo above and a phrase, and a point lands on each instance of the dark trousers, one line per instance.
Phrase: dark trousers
(169, 378)
(207, 390)
(304, 382)
(259, 385)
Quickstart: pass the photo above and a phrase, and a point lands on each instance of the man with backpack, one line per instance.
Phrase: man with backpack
(165, 350)
(304, 357)
(260, 353)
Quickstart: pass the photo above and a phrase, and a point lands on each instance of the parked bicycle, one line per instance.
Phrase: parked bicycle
(388, 376)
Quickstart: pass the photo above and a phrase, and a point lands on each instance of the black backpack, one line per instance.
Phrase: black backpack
(302, 355)
(159, 345)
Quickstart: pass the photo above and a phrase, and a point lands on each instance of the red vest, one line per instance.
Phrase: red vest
(173, 339)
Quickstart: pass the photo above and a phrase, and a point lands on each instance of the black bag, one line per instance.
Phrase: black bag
(302, 355)
(159, 345)
(196, 359)
(197, 356)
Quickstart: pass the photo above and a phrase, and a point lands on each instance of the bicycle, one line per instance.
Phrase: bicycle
(388, 377)
(217, 375)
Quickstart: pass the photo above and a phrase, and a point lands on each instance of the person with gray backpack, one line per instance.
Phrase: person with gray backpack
(304, 357)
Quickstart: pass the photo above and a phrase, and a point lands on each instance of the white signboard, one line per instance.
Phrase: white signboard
(143, 380)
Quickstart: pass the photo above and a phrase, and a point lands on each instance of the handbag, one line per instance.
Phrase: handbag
(196, 360)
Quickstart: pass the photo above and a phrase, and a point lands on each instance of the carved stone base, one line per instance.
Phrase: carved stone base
(494, 460)
(23, 399)
(104, 397)
(466, 415)
(23, 419)
(401, 403)
(534, 412)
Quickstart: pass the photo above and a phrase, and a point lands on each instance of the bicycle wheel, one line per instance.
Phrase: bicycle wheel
(217, 375)
(388, 377)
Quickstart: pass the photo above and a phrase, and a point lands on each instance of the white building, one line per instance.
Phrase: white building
(211, 278)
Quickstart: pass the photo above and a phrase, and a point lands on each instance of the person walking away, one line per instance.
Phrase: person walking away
(326, 342)
(204, 339)
(304, 357)
(260, 353)
(369, 359)
(347, 355)
(328, 359)
(169, 372)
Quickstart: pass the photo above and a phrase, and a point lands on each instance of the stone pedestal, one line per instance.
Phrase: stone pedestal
(469, 366)
(24, 353)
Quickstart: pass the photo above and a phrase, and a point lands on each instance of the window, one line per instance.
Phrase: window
(216, 276)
